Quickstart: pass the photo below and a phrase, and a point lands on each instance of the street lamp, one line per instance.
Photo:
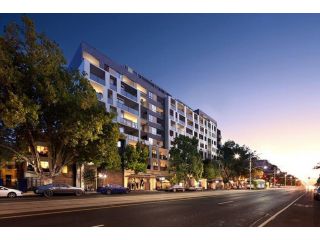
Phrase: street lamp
(237, 156)
(285, 179)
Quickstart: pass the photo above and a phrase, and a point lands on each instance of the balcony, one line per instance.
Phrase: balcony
(99, 96)
(190, 117)
(132, 138)
(181, 122)
(128, 95)
(163, 168)
(180, 111)
(113, 87)
(189, 135)
(110, 101)
(173, 128)
(181, 132)
(97, 79)
(128, 122)
(126, 108)
(190, 126)
(173, 106)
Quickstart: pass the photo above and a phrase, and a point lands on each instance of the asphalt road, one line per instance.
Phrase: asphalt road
(216, 208)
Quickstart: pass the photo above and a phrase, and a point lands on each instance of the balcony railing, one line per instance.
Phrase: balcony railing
(189, 135)
(163, 168)
(190, 117)
(181, 112)
(97, 79)
(99, 96)
(110, 101)
(173, 106)
(128, 95)
(171, 117)
(181, 122)
(113, 87)
(132, 138)
(173, 128)
(190, 126)
(128, 122)
(126, 108)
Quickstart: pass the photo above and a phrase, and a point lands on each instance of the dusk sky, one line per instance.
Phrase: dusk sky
(256, 74)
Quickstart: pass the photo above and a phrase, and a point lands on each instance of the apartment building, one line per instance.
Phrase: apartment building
(183, 120)
(145, 112)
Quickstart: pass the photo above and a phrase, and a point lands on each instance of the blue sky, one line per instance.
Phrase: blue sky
(256, 74)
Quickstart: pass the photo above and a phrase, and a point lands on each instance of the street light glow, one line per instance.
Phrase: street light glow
(236, 156)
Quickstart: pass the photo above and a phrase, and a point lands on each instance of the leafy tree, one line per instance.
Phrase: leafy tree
(135, 157)
(232, 167)
(211, 169)
(185, 160)
(42, 101)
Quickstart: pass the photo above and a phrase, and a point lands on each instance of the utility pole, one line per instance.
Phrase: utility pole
(285, 179)
(274, 177)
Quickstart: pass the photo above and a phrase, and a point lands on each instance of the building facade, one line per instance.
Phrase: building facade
(146, 113)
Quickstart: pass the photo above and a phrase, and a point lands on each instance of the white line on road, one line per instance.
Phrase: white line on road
(225, 202)
(101, 225)
(282, 210)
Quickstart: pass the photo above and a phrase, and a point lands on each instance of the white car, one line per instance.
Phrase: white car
(9, 192)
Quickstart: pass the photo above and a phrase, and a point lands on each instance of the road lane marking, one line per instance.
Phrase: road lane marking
(101, 225)
(225, 202)
(258, 220)
(279, 212)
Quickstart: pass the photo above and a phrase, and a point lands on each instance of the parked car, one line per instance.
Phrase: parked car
(176, 188)
(316, 194)
(9, 192)
(194, 189)
(58, 189)
(252, 186)
(113, 188)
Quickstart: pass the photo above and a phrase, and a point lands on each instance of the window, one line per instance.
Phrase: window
(171, 133)
(152, 119)
(152, 107)
(43, 151)
(65, 169)
(153, 130)
(44, 164)
(150, 95)
(154, 153)
(171, 112)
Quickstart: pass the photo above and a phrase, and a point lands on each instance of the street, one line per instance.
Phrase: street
(209, 208)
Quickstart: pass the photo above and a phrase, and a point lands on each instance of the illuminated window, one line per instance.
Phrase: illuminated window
(42, 150)
(65, 169)
(44, 165)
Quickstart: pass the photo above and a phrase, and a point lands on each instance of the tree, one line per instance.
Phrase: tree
(211, 169)
(135, 157)
(43, 101)
(185, 160)
(232, 167)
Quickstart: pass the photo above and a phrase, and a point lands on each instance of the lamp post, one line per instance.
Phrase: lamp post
(250, 169)
(285, 179)
(237, 156)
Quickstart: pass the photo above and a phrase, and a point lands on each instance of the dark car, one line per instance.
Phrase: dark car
(113, 188)
(316, 194)
(176, 188)
(58, 189)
